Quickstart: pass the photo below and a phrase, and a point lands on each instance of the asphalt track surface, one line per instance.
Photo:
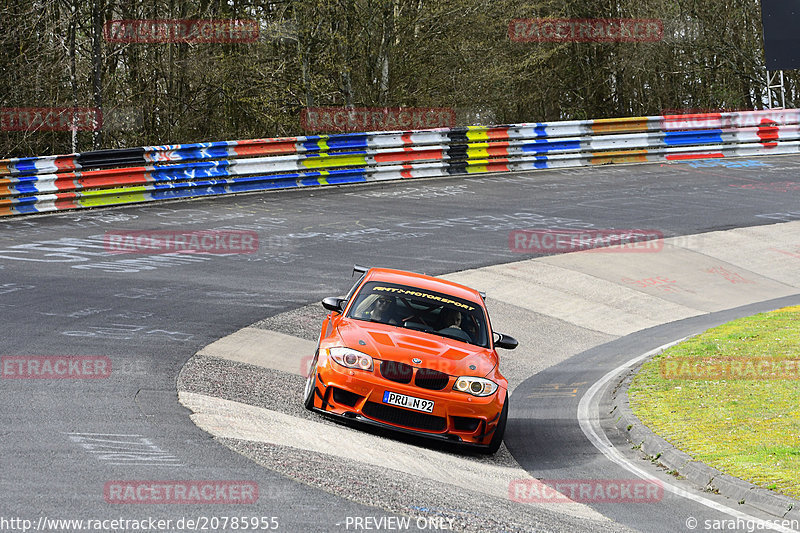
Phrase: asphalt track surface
(62, 293)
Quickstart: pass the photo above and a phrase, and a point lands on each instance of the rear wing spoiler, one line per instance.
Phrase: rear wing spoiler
(360, 269)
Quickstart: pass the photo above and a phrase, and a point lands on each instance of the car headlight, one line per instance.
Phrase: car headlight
(350, 358)
(475, 386)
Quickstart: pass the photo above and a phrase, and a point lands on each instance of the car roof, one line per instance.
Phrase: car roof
(423, 281)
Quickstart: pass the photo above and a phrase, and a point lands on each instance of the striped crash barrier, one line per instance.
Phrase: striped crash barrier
(113, 177)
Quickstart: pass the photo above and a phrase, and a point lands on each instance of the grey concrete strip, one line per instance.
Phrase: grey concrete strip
(772, 251)
(684, 277)
(265, 348)
(545, 286)
(234, 420)
(618, 291)
(544, 341)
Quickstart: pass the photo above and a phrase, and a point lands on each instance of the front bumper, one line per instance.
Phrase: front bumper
(357, 395)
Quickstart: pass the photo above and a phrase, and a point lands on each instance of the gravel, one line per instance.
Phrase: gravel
(410, 495)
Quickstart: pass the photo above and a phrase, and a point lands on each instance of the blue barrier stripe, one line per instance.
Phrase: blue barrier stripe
(26, 209)
(549, 146)
(683, 138)
(357, 141)
(26, 188)
(25, 164)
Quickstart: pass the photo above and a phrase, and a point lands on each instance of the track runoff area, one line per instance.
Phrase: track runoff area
(577, 315)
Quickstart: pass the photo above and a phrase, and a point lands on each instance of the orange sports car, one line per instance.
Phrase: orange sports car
(415, 354)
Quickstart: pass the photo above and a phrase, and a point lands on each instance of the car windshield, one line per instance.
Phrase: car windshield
(421, 310)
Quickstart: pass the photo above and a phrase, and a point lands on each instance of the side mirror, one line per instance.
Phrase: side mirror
(332, 303)
(506, 341)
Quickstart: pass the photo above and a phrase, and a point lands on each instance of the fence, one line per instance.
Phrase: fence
(114, 177)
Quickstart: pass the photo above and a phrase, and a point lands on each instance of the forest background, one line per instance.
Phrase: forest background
(454, 54)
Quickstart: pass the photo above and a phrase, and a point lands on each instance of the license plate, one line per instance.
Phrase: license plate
(409, 402)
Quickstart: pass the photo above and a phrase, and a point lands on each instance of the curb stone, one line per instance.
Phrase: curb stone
(707, 478)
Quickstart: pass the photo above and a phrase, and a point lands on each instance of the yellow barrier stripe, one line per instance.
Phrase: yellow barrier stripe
(478, 135)
(619, 125)
(327, 161)
(476, 153)
(623, 156)
(101, 197)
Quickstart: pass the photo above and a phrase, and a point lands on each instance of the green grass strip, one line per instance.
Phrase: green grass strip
(739, 411)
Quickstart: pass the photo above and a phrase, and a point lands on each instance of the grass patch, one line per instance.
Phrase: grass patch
(745, 424)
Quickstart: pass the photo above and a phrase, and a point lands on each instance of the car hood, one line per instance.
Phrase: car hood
(391, 343)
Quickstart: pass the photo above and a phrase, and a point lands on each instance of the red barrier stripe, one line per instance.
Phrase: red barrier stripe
(65, 200)
(134, 174)
(65, 163)
(114, 181)
(408, 155)
(497, 133)
(497, 167)
(494, 151)
(265, 147)
(65, 183)
(678, 157)
(768, 133)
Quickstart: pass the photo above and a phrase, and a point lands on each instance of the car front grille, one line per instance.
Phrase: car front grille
(404, 417)
(431, 379)
(397, 372)
(424, 378)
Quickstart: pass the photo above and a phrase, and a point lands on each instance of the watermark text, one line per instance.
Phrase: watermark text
(181, 31)
(558, 30)
(585, 491)
(376, 118)
(730, 368)
(168, 242)
(54, 367)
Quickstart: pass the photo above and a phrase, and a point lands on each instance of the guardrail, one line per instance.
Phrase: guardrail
(113, 177)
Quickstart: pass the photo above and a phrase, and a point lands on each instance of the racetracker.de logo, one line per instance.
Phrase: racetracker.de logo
(585, 491)
(50, 119)
(181, 31)
(376, 118)
(731, 368)
(555, 30)
(767, 121)
(559, 241)
(170, 242)
(55, 367)
(180, 492)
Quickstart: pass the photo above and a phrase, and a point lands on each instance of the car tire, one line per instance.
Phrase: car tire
(311, 386)
(497, 438)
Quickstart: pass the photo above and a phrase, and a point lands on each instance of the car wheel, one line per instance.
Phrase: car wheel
(497, 438)
(311, 386)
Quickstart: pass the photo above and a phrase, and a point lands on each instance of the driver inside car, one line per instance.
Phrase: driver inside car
(382, 310)
(451, 325)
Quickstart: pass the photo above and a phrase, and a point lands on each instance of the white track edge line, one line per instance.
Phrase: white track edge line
(590, 424)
